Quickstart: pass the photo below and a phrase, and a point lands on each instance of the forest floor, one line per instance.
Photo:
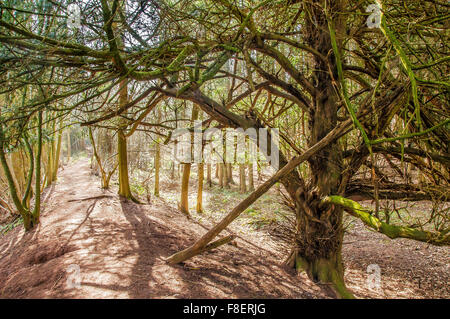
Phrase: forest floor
(116, 249)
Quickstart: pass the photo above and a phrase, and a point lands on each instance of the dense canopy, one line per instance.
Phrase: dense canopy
(358, 91)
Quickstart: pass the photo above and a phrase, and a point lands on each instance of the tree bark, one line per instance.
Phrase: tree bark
(220, 171)
(200, 174)
(157, 160)
(284, 172)
(319, 233)
(157, 168)
(124, 182)
(217, 171)
(58, 151)
(251, 183)
(208, 175)
(242, 185)
(229, 167)
(69, 146)
(184, 204)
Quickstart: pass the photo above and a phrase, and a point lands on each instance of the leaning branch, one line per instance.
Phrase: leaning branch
(392, 231)
(198, 246)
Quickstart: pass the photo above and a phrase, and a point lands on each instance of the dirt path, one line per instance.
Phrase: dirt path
(119, 247)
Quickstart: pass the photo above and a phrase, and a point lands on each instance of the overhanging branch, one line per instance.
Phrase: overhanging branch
(392, 231)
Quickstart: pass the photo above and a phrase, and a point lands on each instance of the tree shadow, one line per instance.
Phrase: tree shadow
(225, 272)
(121, 248)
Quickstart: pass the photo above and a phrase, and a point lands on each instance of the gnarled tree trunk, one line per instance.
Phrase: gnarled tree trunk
(319, 227)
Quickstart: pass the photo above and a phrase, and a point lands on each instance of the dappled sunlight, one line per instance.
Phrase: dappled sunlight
(224, 149)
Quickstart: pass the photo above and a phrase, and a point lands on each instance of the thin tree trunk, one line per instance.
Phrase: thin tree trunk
(220, 170)
(58, 152)
(12, 185)
(284, 172)
(124, 182)
(184, 204)
(69, 146)
(157, 159)
(172, 171)
(229, 167)
(200, 188)
(122, 150)
(259, 170)
(12, 163)
(208, 175)
(226, 181)
(251, 184)
(157, 168)
(30, 219)
(242, 185)
(26, 199)
(49, 169)
(37, 177)
(97, 164)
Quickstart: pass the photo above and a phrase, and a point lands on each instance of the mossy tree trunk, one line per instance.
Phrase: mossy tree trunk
(48, 169)
(28, 190)
(37, 178)
(122, 149)
(319, 232)
(58, 151)
(30, 219)
(51, 154)
(122, 155)
(13, 162)
(69, 146)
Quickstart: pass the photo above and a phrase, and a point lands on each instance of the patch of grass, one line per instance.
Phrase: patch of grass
(10, 226)
(260, 221)
(137, 188)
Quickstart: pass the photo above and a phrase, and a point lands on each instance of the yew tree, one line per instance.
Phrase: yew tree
(367, 79)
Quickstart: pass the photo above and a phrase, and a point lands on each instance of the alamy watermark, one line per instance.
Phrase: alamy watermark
(239, 146)
(374, 20)
(374, 277)
(74, 16)
(74, 277)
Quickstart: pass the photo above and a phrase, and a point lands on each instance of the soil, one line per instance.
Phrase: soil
(92, 244)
